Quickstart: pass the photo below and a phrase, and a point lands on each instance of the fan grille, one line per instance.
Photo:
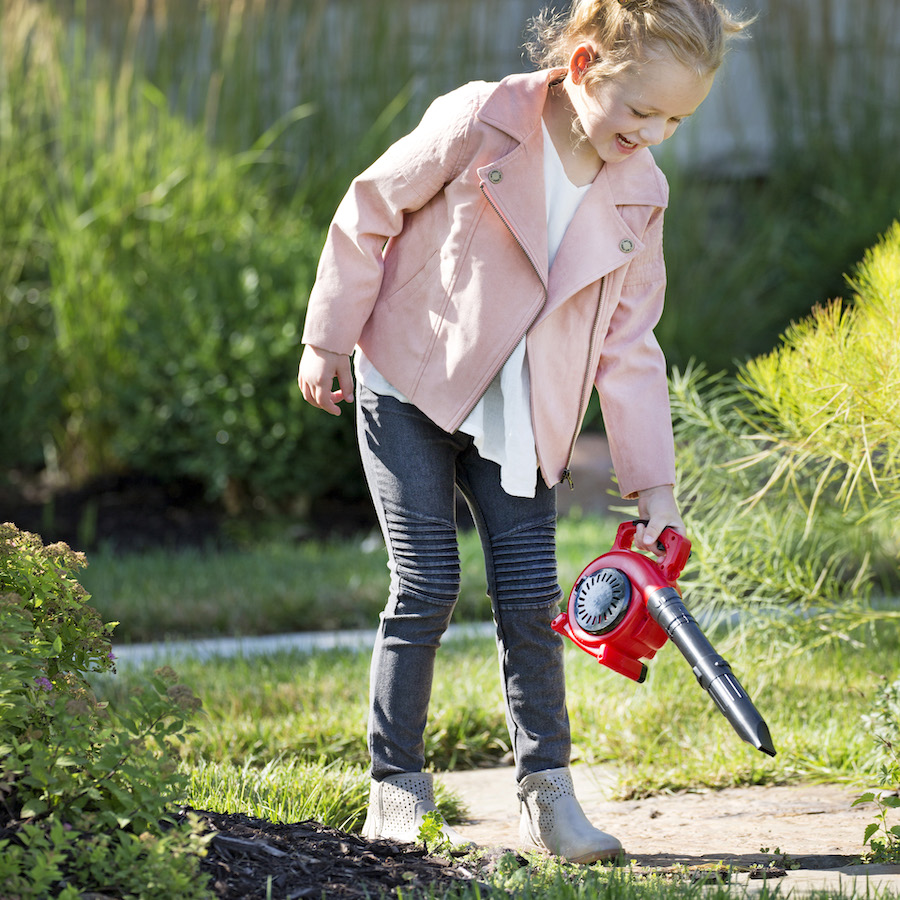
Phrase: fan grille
(601, 600)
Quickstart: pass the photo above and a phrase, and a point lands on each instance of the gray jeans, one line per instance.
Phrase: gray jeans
(412, 468)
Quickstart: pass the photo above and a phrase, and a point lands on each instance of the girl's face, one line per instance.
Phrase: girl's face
(636, 109)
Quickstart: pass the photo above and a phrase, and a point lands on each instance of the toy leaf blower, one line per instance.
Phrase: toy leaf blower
(624, 606)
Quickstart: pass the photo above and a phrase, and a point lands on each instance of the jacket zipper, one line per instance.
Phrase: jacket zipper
(585, 388)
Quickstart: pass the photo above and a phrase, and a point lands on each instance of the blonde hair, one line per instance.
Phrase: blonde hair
(629, 32)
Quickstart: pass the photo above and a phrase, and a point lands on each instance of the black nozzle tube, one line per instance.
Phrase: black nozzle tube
(713, 672)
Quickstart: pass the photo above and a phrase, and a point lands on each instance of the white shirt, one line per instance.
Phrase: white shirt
(500, 422)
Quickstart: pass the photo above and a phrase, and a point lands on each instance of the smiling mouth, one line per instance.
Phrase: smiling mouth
(624, 143)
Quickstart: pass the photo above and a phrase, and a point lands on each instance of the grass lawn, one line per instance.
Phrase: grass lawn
(282, 736)
(273, 586)
(277, 712)
(272, 724)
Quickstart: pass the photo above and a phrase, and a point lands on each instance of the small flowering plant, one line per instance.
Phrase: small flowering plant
(883, 723)
(74, 771)
(51, 638)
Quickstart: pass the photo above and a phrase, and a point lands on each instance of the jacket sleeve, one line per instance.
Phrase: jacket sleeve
(402, 180)
(631, 378)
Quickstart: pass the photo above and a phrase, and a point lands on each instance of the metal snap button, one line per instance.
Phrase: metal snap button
(496, 176)
(626, 246)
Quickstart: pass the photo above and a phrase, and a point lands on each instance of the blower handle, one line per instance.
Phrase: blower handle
(676, 549)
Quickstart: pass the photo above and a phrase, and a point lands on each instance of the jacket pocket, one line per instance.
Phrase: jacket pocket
(399, 294)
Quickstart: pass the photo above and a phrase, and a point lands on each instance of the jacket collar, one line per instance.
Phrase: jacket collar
(515, 107)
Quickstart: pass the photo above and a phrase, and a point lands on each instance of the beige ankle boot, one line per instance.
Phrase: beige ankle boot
(397, 807)
(552, 820)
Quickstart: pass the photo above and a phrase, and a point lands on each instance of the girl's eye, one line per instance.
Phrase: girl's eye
(640, 115)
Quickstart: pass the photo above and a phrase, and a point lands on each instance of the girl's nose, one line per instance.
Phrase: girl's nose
(654, 132)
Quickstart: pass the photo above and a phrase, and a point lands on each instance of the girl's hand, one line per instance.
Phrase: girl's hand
(318, 371)
(658, 506)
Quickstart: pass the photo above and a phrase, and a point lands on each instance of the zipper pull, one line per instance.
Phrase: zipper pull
(567, 476)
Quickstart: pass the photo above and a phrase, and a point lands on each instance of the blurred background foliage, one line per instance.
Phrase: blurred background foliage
(169, 168)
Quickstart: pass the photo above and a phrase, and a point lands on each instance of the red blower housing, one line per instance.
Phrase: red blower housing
(623, 608)
(607, 613)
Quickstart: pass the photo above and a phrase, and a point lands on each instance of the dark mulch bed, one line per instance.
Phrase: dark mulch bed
(133, 512)
(307, 859)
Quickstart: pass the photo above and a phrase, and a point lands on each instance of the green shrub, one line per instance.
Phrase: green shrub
(83, 786)
(153, 288)
(198, 376)
(791, 470)
(187, 279)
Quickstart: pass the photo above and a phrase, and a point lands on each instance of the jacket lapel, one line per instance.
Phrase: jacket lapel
(517, 193)
(515, 107)
(597, 241)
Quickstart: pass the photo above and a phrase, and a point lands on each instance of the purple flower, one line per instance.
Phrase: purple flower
(112, 656)
(45, 684)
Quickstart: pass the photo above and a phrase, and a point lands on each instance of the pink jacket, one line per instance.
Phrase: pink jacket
(436, 266)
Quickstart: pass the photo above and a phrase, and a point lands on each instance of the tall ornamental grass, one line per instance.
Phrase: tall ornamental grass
(362, 71)
(791, 469)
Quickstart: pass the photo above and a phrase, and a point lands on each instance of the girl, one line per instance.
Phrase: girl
(488, 269)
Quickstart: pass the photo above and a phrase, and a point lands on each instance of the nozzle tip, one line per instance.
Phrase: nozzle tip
(764, 739)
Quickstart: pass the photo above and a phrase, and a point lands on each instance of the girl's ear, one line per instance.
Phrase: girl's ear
(582, 56)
